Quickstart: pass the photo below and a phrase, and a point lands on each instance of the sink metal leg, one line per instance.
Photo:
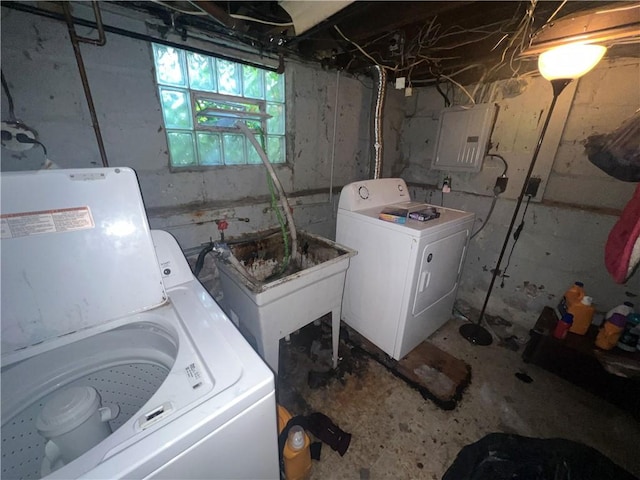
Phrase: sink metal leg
(335, 334)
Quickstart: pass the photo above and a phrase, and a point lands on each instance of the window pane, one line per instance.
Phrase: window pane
(276, 123)
(212, 112)
(181, 149)
(203, 98)
(252, 82)
(274, 84)
(233, 149)
(175, 108)
(169, 65)
(228, 77)
(252, 154)
(209, 149)
(200, 75)
(275, 149)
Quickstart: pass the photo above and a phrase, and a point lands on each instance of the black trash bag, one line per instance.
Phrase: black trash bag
(618, 153)
(501, 456)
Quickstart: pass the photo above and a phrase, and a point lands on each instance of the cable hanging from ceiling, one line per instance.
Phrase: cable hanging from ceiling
(424, 46)
(202, 13)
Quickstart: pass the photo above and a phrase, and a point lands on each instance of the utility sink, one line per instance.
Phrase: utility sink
(267, 305)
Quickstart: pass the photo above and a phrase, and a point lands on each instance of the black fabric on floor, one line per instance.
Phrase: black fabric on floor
(500, 456)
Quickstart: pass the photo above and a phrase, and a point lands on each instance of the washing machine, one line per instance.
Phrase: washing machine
(401, 286)
(104, 325)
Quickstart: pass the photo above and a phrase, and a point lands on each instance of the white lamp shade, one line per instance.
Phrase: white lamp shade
(569, 61)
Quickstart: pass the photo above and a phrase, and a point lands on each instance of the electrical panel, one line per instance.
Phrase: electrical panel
(463, 135)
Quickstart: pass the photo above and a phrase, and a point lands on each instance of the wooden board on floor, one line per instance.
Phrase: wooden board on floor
(435, 373)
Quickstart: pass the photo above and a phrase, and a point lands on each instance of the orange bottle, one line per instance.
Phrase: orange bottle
(572, 296)
(610, 332)
(296, 453)
(582, 315)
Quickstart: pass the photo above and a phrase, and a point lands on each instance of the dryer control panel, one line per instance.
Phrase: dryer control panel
(373, 193)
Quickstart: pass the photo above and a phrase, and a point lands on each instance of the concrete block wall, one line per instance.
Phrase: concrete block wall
(40, 67)
(568, 223)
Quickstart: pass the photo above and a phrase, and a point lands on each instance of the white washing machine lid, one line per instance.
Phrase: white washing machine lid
(95, 217)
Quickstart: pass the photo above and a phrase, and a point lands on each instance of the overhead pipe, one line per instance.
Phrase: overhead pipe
(376, 165)
(21, 7)
(99, 42)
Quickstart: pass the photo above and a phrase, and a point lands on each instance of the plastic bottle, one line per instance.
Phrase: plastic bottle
(631, 335)
(297, 455)
(625, 309)
(563, 326)
(572, 296)
(582, 315)
(610, 332)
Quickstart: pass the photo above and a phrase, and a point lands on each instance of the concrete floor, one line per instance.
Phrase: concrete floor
(398, 434)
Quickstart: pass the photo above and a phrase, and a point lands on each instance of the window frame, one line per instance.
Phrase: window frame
(195, 95)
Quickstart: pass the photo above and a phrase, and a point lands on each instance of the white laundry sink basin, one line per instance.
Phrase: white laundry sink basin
(267, 310)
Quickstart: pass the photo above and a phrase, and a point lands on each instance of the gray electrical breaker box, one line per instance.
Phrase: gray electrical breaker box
(463, 135)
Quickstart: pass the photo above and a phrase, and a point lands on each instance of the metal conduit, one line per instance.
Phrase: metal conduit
(377, 121)
(100, 41)
(135, 35)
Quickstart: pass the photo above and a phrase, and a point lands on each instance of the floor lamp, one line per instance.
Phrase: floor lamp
(560, 66)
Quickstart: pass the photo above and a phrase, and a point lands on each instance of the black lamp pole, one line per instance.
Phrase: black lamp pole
(475, 332)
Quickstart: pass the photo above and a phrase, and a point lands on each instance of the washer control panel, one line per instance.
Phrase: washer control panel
(372, 193)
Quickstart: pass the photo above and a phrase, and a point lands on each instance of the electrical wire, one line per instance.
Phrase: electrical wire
(461, 88)
(506, 165)
(506, 35)
(486, 220)
(516, 236)
(375, 62)
(198, 13)
(202, 13)
(20, 137)
(257, 20)
(556, 12)
(24, 138)
(5, 87)
(418, 49)
(517, 42)
(447, 102)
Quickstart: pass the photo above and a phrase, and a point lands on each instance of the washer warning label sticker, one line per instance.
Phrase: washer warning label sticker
(194, 376)
(24, 224)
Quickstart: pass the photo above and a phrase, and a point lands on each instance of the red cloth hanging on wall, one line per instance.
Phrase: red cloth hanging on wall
(622, 252)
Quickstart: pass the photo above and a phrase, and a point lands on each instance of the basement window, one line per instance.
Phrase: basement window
(202, 97)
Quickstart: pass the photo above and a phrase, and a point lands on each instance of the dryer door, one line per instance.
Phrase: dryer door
(439, 270)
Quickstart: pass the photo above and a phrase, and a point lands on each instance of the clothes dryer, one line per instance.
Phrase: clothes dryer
(401, 286)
